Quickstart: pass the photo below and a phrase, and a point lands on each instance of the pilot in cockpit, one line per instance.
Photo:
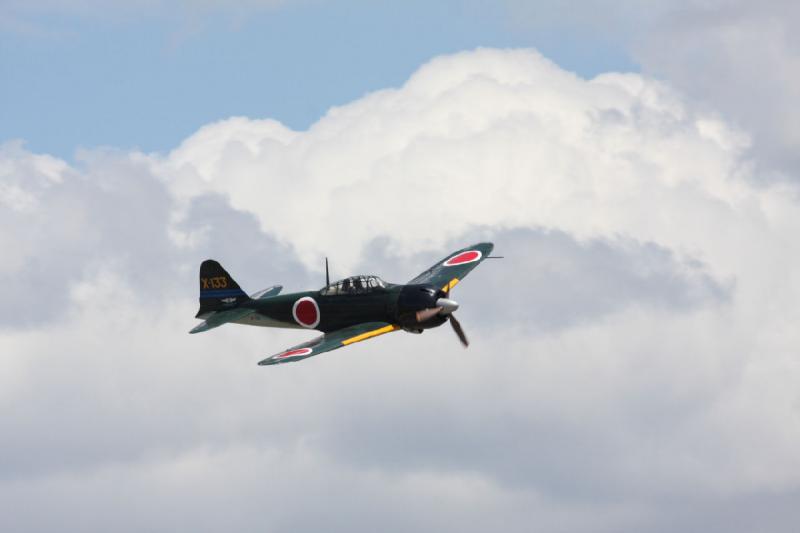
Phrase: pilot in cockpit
(346, 287)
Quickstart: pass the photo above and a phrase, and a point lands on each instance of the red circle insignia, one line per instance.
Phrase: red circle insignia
(469, 256)
(294, 353)
(306, 312)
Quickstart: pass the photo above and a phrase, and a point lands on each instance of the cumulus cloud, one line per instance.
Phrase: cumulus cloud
(734, 57)
(742, 59)
(633, 355)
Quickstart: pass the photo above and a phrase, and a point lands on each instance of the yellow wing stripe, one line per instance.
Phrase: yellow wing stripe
(450, 284)
(370, 334)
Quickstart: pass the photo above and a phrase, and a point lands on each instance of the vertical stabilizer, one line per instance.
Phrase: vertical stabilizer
(218, 290)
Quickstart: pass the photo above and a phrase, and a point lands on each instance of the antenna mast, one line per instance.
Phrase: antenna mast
(327, 275)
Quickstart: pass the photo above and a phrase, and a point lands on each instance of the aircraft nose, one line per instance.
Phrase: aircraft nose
(447, 305)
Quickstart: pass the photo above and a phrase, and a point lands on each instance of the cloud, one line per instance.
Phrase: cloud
(742, 60)
(633, 354)
(733, 57)
(486, 138)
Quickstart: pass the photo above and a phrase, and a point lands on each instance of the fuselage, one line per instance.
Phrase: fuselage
(395, 304)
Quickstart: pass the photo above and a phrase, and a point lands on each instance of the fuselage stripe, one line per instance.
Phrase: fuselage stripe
(220, 294)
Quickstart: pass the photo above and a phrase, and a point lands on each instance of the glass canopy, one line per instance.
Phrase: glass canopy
(354, 285)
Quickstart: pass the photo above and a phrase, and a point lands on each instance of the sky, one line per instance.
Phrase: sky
(113, 75)
(634, 358)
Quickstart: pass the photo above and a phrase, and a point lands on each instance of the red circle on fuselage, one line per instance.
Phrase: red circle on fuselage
(463, 257)
(306, 312)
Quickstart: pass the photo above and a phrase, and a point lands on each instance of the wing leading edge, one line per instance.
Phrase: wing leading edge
(331, 341)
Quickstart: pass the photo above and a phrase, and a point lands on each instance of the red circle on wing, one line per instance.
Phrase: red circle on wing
(306, 312)
(463, 257)
(295, 353)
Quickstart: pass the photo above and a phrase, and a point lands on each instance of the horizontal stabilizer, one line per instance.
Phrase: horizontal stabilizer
(267, 293)
(221, 317)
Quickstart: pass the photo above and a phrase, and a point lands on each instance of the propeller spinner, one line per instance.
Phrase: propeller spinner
(445, 308)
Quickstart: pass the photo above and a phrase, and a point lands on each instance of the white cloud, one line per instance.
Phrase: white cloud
(634, 351)
(468, 134)
(736, 57)
(742, 59)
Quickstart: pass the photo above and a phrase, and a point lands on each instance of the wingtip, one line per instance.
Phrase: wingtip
(485, 247)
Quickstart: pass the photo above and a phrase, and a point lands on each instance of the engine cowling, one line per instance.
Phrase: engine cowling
(413, 303)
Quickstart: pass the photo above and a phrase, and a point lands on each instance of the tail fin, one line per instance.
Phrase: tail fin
(218, 290)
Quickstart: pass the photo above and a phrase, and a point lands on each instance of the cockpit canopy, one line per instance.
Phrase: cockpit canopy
(354, 285)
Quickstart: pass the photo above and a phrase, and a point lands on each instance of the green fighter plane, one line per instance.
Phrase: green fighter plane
(347, 311)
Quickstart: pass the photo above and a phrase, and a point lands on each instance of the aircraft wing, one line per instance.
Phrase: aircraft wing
(331, 341)
(453, 268)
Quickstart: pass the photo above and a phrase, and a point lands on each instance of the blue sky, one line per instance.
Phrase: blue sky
(147, 81)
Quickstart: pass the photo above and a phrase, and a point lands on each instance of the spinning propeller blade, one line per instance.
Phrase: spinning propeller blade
(427, 314)
(460, 332)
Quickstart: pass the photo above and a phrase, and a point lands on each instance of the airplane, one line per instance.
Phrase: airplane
(347, 311)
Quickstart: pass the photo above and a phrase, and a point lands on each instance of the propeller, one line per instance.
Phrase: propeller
(445, 307)
(460, 332)
(427, 314)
